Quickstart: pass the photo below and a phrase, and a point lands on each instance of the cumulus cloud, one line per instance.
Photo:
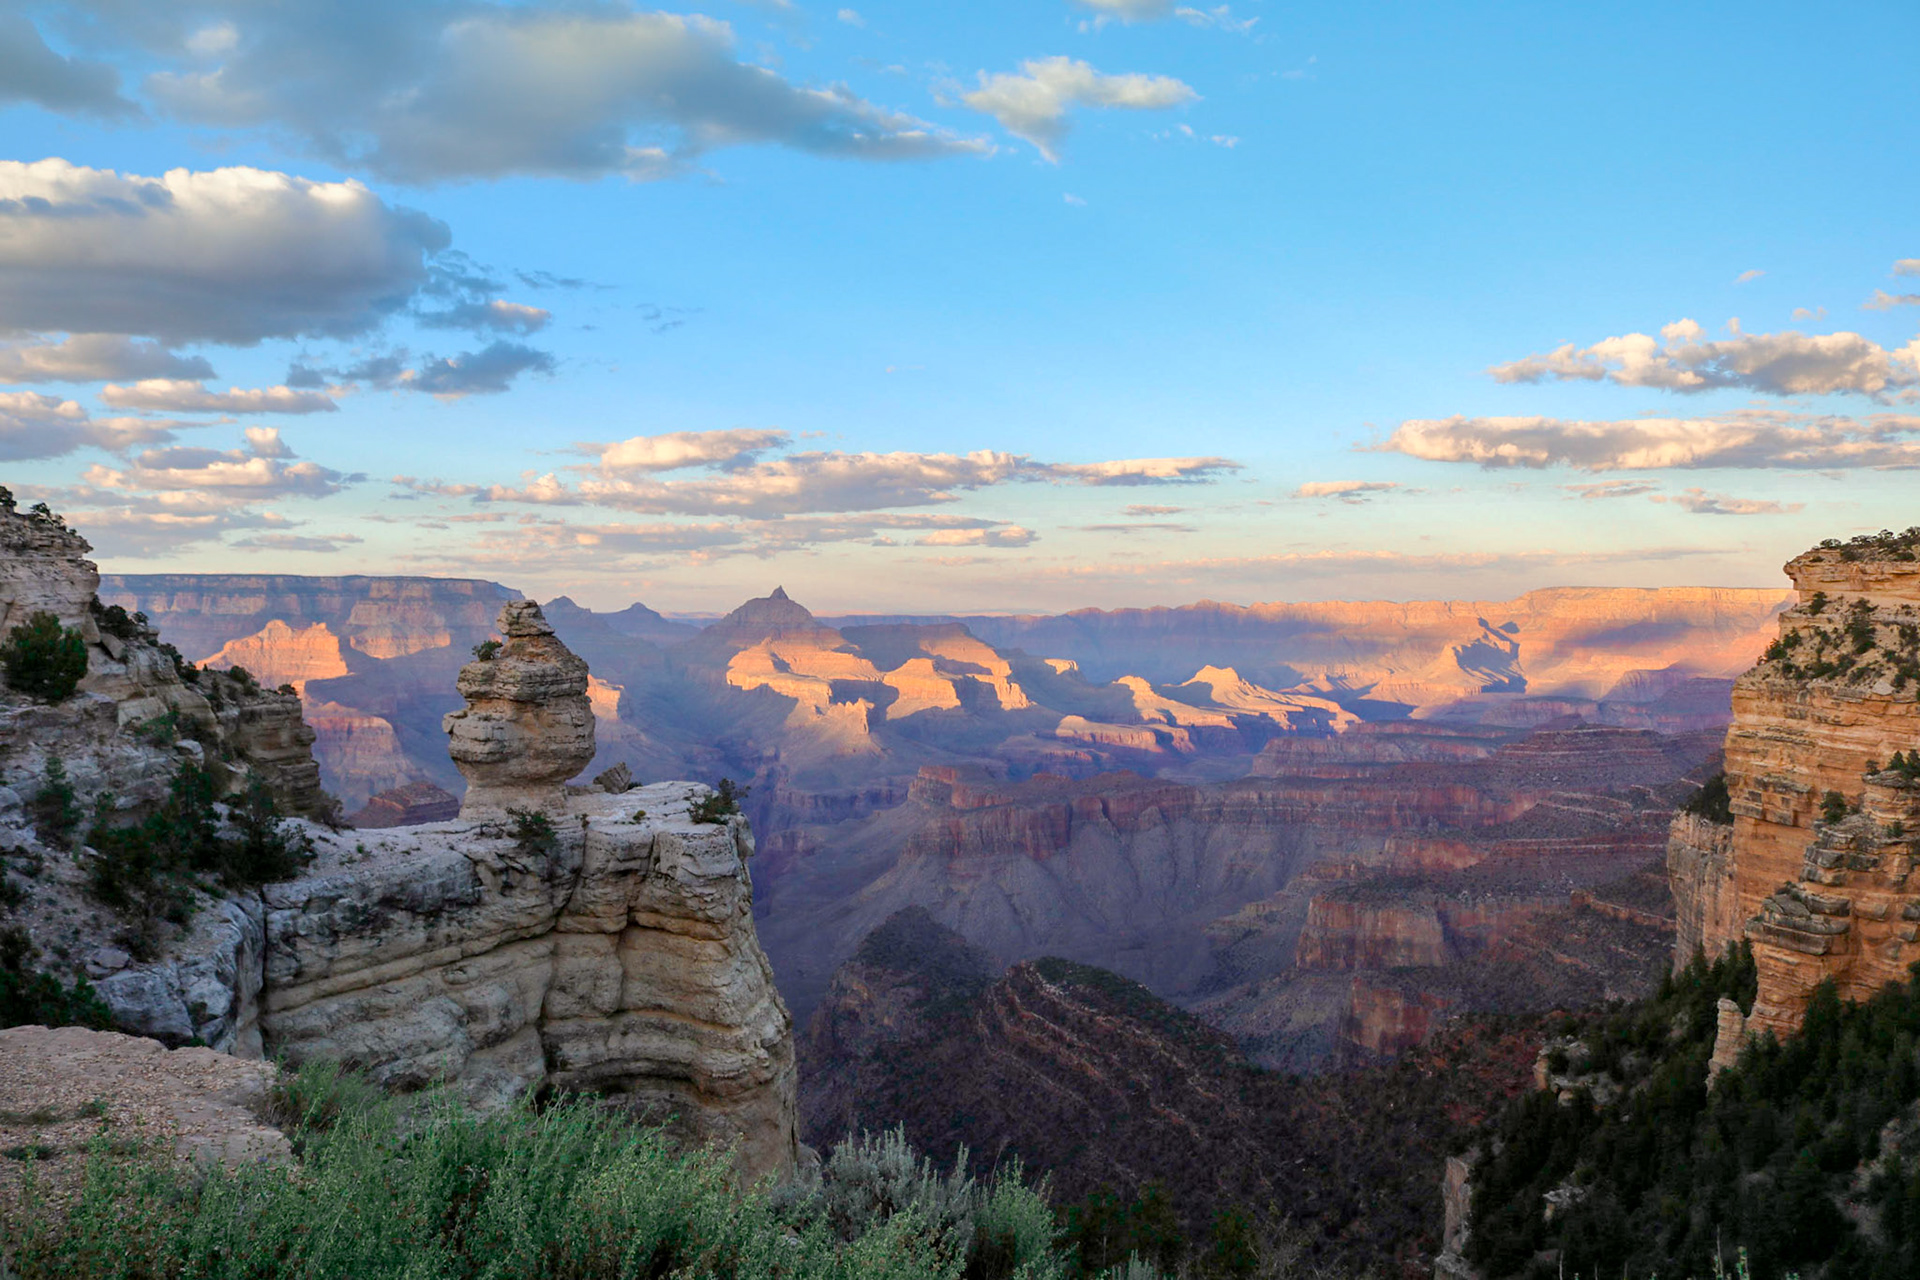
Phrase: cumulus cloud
(33, 426)
(228, 255)
(809, 482)
(175, 395)
(262, 470)
(678, 449)
(1006, 536)
(427, 93)
(1345, 490)
(32, 72)
(495, 315)
(1700, 502)
(148, 524)
(1907, 267)
(1133, 471)
(1748, 439)
(487, 371)
(1884, 301)
(1683, 359)
(93, 357)
(1033, 103)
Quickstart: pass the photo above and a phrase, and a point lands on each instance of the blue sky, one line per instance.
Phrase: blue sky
(921, 308)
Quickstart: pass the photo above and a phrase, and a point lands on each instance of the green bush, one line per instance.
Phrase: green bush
(1712, 801)
(1833, 807)
(719, 804)
(147, 871)
(31, 998)
(533, 834)
(429, 1190)
(486, 650)
(43, 659)
(54, 808)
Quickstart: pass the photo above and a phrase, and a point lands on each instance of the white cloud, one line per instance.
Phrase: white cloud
(1033, 104)
(228, 255)
(93, 357)
(814, 482)
(1700, 502)
(429, 93)
(1008, 536)
(1611, 489)
(493, 316)
(33, 425)
(1345, 490)
(1805, 313)
(1220, 18)
(1746, 439)
(32, 72)
(1682, 359)
(1132, 471)
(678, 449)
(175, 395)
(1884, 301)
(1747, 276)
(1907, 267)
(851, 17)
(260, 471)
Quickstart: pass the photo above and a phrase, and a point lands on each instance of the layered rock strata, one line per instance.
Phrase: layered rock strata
(138, 711)
(619, 959)
(1823, 843)
(528, 724)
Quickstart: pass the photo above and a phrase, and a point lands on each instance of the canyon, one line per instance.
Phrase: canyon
(1188, 796)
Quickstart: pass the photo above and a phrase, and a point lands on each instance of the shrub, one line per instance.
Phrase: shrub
(43, 659)
(29, 997)
(1712, 801)
(54, 808)
(717, 805)
(487, 650)
(116, 621)
(433, 1191)
(7, 503)
(533, 834)
(1833, 807)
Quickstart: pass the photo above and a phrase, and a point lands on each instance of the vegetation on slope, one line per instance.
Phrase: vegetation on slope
(1804, 1153)
(1158, 1136)
(426, 1189)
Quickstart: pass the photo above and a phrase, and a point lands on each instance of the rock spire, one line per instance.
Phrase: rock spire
(527, 726)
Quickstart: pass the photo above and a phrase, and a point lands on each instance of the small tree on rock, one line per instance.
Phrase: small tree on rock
(43, 659)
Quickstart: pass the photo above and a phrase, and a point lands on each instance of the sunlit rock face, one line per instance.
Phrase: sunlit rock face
(1827, 894)
(528, 724)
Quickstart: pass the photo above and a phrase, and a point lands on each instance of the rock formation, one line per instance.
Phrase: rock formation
(610, 949)
(1816, 873)
(619, 958)
(528, 725)
(138, 710)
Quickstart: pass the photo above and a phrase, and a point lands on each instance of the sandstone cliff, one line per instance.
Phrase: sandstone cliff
(609, 948)
(139, 710)
(1822, 845)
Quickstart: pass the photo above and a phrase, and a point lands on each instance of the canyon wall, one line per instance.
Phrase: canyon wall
(1823, 835)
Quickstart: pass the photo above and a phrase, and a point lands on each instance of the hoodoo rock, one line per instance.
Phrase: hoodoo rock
(1823, 840)
(528, 724)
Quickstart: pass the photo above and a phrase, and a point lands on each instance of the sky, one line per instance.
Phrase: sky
(934, 308)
